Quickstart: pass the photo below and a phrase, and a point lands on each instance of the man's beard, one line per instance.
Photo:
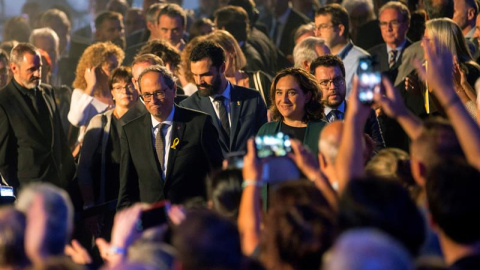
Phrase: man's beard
(32, 83)
(208, 90)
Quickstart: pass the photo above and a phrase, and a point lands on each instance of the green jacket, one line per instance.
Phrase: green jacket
(312, 134)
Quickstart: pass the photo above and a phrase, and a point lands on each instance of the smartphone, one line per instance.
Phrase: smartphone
(235, 160)
(277, 145)
(153, 216)
(369, 80)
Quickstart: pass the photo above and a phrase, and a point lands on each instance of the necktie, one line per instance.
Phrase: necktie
(334, 115)
(392, 58)
(160, 145)
(223, 114)
(276, 29)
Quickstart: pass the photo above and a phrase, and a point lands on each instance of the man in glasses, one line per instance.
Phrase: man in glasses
(394, 21)
(332, 24)
(330, 73)
(167, 152)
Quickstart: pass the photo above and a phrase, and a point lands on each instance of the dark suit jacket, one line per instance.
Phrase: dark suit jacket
(248, 114)
(379, 52)
(372, 128)
(27, 154)
(196, 154)
(287, 41)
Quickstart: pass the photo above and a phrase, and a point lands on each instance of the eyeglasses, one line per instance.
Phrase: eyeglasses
(393, 24)
(324, 26)
(337, 81)
(160, 94)
(123, 89)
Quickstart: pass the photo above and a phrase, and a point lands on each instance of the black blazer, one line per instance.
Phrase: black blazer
(27, 154)
(248, 114)
(287, 41)
(196, 154)
(373, 129)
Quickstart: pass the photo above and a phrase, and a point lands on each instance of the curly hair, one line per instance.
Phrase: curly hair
(185, 56)
(308, 83)
(163, 49)
(95, 55)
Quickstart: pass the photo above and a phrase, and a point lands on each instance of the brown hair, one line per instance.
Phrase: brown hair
(308, 84)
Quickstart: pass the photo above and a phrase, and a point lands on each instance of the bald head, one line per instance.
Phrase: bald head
(330, 141)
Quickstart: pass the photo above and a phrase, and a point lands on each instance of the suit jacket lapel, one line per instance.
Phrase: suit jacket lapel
(146, 137)
(236, 106)
(24, 108)
(178, 128)
(207, 108)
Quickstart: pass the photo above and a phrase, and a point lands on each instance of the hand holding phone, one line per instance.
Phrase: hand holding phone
(368, 80)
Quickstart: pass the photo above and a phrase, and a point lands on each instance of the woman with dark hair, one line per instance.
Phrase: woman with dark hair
(296, 107)
(224, 191)
(99, 163)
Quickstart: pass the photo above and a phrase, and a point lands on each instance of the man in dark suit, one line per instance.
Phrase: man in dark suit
(394, 21)
(238, 112)
(32, 144)
(330, 73)
(284, 23)
(167, 152)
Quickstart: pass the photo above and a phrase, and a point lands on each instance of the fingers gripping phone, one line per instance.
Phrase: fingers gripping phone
(369, 80)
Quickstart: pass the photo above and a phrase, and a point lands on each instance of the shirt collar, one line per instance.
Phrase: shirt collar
(340, 108)
(22, 89)
(168, 121)
(470, 33)
(399, 48)
(225, 93)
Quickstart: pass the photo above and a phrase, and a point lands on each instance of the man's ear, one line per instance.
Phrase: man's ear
(471, 14)
(341, 29)
(221, 69)
(306, 65)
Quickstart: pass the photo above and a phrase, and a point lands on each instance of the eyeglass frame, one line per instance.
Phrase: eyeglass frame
(392, 23)
(324, 26)
(340, 81)
(123, 89)
(159, 94)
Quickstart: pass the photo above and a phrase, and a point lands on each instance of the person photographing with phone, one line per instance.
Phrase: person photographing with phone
(330, 74)
(296, 107)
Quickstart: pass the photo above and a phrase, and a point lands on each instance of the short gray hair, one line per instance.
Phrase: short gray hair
(163, 71)
(303, 29)
(45, 32)
(17, 53)
(59, 209)
(305, 50)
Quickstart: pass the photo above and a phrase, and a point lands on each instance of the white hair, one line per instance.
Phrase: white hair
(305, 50)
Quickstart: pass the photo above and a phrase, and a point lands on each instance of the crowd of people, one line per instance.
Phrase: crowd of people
(137, 141)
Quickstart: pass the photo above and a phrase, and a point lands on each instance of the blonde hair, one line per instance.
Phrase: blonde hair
(230, 45)
(94, 56)
(450, 35)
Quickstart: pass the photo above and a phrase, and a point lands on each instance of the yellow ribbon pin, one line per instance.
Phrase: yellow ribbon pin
(175, 143)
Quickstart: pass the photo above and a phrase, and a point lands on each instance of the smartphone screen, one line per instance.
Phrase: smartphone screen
(277, 145)
(368, 80)
(154, 216)
(235, 160)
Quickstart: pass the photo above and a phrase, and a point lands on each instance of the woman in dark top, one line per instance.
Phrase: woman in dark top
(296, 107)
(99, 163)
